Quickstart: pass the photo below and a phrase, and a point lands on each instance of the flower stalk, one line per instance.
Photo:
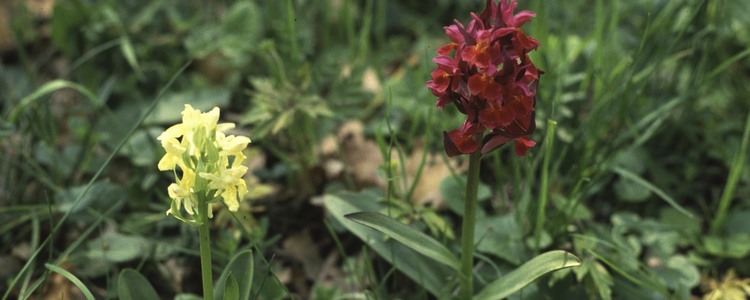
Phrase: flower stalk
(205, 251)
(208, 167)
(468, 225)
(486, 73)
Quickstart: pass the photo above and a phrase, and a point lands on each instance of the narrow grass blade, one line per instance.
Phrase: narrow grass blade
(408, 236)
(127, 50)
(639, 180)
(132, 285)
(73, 279)
(734, 177)
(48, 88)
(527, 273)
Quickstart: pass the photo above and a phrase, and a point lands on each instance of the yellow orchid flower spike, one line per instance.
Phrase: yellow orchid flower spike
(206, 162)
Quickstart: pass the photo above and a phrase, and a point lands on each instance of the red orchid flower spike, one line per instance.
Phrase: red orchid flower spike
(485, 71)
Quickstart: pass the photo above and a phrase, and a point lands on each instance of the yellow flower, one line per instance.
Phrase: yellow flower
(182, 192)
(174, 154)
(230, 184)
(199, 145)
(233, 146)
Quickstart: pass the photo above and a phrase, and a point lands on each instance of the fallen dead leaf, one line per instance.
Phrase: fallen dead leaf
(361, 156)
(435, 169)
(302, 249)
(58, 287)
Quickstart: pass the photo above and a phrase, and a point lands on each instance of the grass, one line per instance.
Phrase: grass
(645, 103)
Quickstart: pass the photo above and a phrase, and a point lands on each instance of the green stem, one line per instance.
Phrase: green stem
(467, 228)
(205, 248)
(543, 189)
(734, 176)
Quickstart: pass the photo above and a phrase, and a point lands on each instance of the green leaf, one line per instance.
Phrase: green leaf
(435, 278)
(453, 189)
(732, 246)
(127, 50)
(117, 248)
(639, 180)
(500, 236)
(410, 237)
(240, 269)
(679, 273)
(231, 288)
(526, 273)
(131, 284)
(48, 88)
(72, 278)
(101, 195)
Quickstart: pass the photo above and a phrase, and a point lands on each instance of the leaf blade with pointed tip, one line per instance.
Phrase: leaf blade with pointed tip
(131, 284)
(408, 236)
(527, 273)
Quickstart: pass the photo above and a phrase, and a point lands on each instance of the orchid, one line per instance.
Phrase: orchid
(209, 161)
(490, 78)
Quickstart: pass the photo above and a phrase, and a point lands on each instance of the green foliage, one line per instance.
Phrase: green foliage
(132, 285)
(408, 236)
(86, 292)
(436, 278)
(236, 281)
(647, 182)
(526, 273)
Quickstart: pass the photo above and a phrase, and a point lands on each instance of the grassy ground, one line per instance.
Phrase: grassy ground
(640, 169)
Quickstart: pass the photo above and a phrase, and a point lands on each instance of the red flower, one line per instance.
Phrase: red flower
(490, 78)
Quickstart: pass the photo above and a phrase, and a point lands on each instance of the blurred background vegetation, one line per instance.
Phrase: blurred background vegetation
(640, 168)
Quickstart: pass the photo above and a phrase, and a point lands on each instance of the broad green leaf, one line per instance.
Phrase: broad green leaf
(453, 190)
(132, 285)
(117, 248)
(526, 273)
(732, 246)
(267, 285)
(142, 147)
(239, 269)
(72, 278)
(679, 273)
(500, 236)
(410, 237)
(101, 195)
(434, 277)
(630, 191)
(231, 288)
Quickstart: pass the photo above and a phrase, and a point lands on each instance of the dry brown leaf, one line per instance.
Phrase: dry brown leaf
(361, 156)
(177, 271)
(41, 9)
(362, 159)
(435, 169)
(6, 39)
(371, 82)
(59, 287)
(302, 249)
